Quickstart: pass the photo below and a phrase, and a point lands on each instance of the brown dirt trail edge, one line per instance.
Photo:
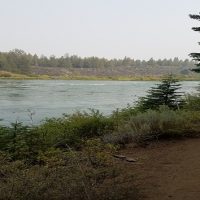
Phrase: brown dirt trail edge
(167, 170)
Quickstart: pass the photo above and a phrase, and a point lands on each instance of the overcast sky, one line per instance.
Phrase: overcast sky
(140, 29)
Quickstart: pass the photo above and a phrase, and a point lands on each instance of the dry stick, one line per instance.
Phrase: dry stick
(82, 172)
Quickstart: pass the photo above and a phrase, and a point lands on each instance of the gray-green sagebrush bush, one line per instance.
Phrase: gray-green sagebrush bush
(155, 124)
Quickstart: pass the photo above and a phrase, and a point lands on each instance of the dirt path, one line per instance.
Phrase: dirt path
(167, 170)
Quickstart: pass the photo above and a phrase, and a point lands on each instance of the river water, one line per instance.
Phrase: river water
(34, 100)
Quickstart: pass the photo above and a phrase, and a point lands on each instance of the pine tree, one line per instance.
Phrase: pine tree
(165, 93)
(196, 56)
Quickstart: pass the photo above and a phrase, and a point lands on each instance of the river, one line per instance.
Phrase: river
(34, 100)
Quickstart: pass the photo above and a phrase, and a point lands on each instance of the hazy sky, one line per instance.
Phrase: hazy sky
(140, 29)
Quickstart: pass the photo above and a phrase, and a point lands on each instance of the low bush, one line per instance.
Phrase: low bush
(73, 129)
(89, 174)
(151, 125)
(25, 143)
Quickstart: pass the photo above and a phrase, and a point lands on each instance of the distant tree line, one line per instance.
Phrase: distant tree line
(19, 61)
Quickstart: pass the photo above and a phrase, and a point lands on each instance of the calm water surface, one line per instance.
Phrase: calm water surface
(52, 98)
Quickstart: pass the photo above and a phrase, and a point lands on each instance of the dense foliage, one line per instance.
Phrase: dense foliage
(62, 159)
(20, 61)
(87, 174)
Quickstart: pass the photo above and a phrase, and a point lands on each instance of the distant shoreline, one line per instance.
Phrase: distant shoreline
(16, 76)
(95, 78)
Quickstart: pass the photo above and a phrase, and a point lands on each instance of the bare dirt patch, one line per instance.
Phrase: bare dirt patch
(167, 170)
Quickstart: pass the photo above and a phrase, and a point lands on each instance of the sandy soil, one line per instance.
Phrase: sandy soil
(167, 170)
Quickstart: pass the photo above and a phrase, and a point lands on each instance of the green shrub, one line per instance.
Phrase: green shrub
(72, 129)
(21, 142)
(25, 143)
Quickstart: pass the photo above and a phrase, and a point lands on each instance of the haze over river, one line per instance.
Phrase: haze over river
(51, 98)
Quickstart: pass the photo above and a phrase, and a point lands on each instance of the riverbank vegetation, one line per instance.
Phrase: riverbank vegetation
(72, 157)
(75, 76)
